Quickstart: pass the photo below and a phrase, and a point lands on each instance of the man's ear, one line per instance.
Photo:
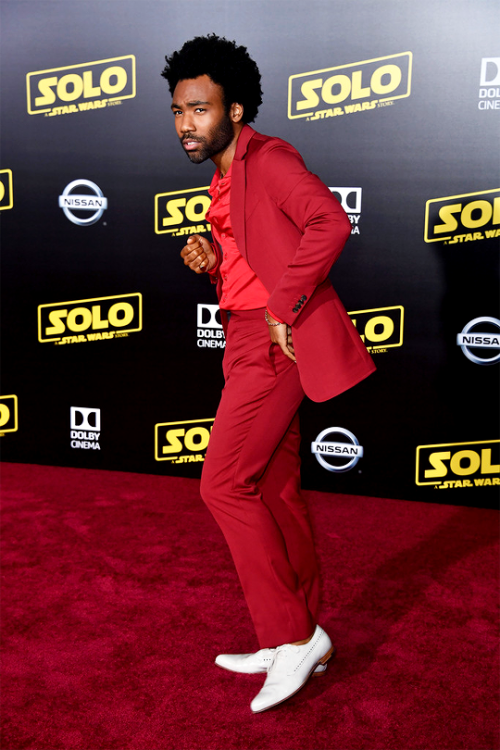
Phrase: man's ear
(236, 112)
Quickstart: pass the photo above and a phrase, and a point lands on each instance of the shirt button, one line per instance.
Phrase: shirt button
(223, 236)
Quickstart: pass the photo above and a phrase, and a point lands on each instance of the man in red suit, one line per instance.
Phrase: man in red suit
(277, 230)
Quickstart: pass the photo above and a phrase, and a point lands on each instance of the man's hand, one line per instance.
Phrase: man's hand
(282, 335)
(198, 254)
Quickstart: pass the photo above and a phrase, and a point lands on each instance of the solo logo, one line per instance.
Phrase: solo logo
(6, 191)
(474, 342)
(380, 328)
(8, 414)
(350, 200)
(337, 455)
(182, 442)
(463, 218)
(489, 83)
(450, 465)
(210, 333)
(91, 319)
(85, 427)
(73, 204)
(355, 87)
(78, 88)
(182, 212)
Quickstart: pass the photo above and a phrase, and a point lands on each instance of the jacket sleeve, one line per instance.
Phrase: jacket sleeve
(320, 218)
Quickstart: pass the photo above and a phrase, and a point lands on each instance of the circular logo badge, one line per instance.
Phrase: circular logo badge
(473, 339)
(94, 201)
(337, 455)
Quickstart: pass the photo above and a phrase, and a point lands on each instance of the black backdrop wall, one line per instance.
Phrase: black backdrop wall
(112, 349)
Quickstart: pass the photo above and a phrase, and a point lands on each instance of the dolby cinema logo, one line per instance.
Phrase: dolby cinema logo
(83, 202)
(480, 341)
(85, 428)
(489, 83)
(337, 449)
(350, 200)
(209, 327)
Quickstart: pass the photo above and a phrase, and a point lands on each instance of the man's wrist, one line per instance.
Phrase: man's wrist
(271, 321)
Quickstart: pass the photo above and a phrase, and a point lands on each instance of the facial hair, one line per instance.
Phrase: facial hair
(217, 140)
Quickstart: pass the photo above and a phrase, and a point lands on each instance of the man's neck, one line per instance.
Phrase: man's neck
(223, 159)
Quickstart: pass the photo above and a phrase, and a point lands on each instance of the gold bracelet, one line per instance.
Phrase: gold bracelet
(272, 324)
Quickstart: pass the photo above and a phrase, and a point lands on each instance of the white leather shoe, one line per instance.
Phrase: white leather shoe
(255, 663)
(247, 663)
(291, 668)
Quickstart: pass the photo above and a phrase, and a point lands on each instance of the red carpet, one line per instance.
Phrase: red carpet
(118, 592)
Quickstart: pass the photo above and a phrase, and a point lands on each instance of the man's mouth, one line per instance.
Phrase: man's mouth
(189, 144)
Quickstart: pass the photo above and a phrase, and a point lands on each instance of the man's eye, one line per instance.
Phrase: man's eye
(200, 109)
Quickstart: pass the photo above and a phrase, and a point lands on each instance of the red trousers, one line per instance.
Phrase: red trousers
(251, 483)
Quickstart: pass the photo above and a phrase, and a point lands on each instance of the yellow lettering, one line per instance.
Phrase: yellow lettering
(55, 317)
(128, 314)
(357, 91)
(71, 79)
(394, 73)
(45, 88)
(97, 323)
(308, 90)
(387, 328)
(202, 433)
(345, 88)
(471, 456)
(486, 212)
(175, 445)
(4, 414)
(121, 79)
(88, 88)
(496, 211)
(175, 215)
(193, 203)
(486, 466)
(436, 460)
(78, 312)
(449, 221)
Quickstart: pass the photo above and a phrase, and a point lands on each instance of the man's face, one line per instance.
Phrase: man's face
(201, 121)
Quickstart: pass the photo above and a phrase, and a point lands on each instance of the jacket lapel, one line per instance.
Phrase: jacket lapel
(238, 186)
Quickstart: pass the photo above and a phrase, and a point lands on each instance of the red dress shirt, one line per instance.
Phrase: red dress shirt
(241, 288)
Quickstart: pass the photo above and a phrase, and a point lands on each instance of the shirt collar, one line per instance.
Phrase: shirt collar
(217, 178)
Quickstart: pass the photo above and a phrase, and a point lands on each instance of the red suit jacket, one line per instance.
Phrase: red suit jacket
(290, 229)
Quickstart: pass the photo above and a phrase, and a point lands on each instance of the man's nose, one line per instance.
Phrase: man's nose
(187, 124)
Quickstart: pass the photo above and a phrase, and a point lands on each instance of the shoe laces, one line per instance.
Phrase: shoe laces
(283, 651)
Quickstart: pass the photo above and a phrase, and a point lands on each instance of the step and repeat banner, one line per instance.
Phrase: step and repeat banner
(112, 349)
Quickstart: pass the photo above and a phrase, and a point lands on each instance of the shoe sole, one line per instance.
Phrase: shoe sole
(315, 673)
(329, 655)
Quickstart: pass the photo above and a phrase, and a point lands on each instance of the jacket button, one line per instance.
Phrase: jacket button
(303, 298)
(295, 309)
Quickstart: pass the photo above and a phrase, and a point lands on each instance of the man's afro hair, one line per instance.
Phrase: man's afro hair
(225, 63)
